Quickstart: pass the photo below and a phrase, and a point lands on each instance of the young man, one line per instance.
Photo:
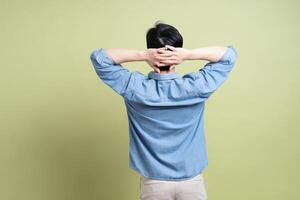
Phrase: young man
(165, 111)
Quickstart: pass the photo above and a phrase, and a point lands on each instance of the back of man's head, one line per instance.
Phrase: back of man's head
(163, 34)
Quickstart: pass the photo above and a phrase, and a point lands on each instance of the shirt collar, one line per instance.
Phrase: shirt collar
(158, 76)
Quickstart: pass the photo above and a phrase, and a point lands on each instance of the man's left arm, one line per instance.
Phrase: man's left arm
(107, 64)
(119, 55)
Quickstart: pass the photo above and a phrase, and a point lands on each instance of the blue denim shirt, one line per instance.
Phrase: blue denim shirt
(165, 114)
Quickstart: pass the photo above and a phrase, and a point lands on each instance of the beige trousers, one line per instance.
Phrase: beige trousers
(191, 189)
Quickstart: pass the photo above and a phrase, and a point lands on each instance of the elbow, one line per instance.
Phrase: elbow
(230, 56)
(233, 53)
(93, 55)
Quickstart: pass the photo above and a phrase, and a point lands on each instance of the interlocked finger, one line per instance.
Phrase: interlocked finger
(168, 62)
(161, 58)
(165, 52)
(165, 55)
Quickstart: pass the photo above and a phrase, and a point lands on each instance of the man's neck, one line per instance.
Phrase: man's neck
(167, 72)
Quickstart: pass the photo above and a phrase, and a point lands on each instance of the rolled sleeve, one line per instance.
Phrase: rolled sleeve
(229, 57)
(209, 78)
(114, 75)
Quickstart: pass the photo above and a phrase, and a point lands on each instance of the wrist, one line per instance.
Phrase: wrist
(187, 54)
(143, 55)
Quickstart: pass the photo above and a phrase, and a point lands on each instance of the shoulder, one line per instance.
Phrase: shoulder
(139, 75)
(190, 77)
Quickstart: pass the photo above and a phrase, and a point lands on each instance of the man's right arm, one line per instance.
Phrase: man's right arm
(211, 53)
(210, 77)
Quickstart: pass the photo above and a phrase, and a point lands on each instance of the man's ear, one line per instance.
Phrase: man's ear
(172, 67)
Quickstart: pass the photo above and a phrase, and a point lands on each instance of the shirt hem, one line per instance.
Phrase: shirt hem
(168, 179)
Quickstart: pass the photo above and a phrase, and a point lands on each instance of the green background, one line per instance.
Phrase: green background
(64, 134)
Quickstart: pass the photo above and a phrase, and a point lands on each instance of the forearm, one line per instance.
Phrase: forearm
(126, 55)
(210, 53)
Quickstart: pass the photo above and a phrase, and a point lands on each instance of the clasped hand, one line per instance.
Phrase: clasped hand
(165, 56)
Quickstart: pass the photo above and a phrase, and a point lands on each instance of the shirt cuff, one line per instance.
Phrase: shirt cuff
(101, 56)
(230, 55)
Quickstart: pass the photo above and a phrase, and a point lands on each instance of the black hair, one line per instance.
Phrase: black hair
(163, 34)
